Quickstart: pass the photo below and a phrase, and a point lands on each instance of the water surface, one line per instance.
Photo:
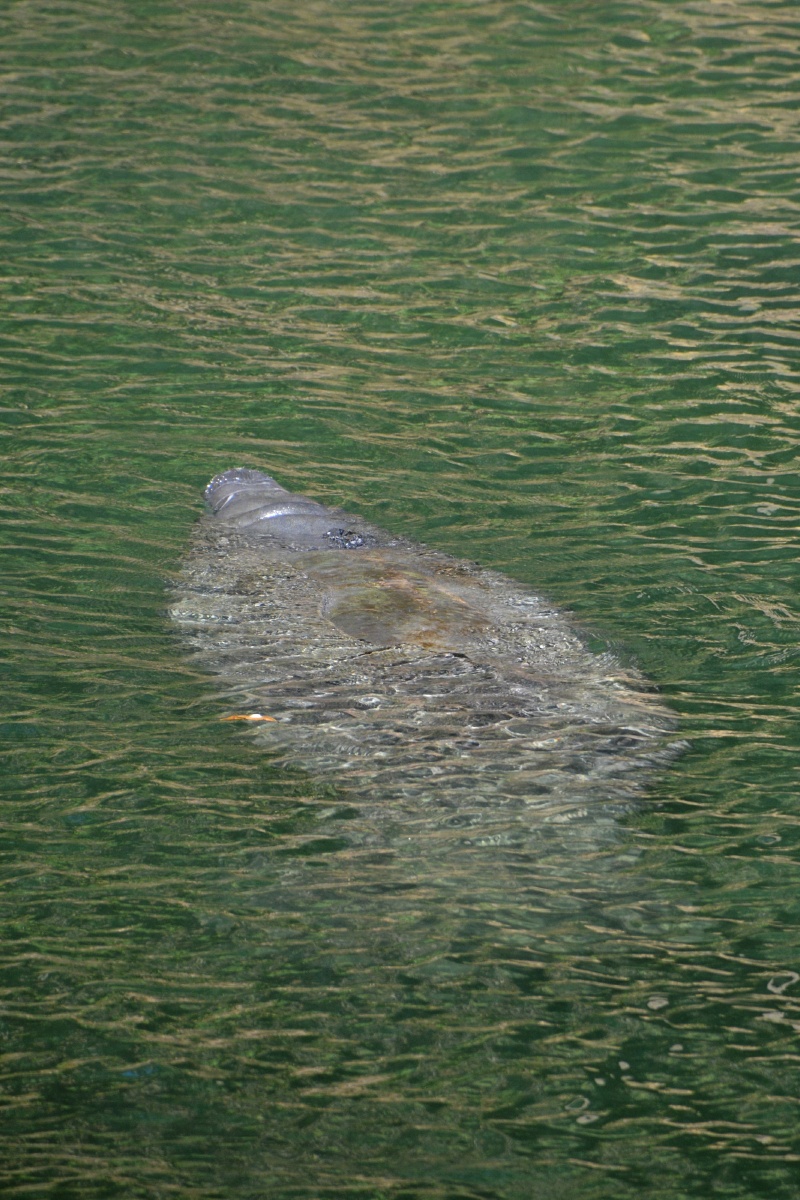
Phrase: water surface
(517, 280)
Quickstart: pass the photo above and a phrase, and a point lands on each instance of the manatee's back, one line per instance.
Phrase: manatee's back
(405, 676)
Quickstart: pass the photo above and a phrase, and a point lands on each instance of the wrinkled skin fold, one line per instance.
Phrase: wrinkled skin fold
(417, 683)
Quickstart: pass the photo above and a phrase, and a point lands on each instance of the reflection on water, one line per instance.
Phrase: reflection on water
(517, 280)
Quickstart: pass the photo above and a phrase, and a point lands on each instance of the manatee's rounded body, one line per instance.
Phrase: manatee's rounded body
(402, 673)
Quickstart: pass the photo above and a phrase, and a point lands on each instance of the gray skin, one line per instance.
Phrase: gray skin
(415, 682)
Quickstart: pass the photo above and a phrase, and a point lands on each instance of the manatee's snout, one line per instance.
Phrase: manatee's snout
(253, 501)
(241, 481)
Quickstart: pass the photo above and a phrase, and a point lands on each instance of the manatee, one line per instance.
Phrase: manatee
(411, 680)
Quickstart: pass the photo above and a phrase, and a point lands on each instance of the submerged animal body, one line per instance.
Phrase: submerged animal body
(403, 675)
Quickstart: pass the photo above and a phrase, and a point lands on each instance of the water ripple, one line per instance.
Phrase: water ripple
(517, 279)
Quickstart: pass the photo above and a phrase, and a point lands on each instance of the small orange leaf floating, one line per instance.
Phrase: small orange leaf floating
(248, 717)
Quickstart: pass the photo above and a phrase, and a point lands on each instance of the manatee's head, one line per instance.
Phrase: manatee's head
(255, 503)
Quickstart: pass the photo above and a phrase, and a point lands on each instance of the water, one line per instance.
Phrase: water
(517, 280)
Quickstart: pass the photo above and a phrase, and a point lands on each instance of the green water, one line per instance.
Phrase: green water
(515, 279)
